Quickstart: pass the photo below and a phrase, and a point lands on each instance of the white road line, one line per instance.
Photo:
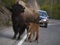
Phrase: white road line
(20, 42)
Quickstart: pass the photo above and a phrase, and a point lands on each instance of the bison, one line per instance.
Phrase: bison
(33, 31)
(18, 20)
(21, 16)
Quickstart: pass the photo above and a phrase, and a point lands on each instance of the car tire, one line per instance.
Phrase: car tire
(45, 25)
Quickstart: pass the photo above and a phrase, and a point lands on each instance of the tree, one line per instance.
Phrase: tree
(33, 4)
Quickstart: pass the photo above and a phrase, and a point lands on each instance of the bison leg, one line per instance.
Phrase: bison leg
(15, 35)
(21, 31)
(37, 36)
(15, 31)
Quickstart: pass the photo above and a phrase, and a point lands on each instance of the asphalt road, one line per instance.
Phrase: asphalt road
(48, 36)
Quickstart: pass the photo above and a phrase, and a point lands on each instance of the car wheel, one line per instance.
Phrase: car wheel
(45, 25)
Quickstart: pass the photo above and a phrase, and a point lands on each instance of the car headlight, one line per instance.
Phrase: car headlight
(44, 19)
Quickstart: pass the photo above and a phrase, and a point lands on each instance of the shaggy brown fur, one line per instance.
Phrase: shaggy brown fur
(32, 29)
(22, 14)
(30, 14)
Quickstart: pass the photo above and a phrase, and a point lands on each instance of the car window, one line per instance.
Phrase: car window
(43, 14)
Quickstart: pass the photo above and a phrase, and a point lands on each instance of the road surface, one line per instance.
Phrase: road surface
(48, 36)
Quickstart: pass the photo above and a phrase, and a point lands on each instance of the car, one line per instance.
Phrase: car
(43, 18)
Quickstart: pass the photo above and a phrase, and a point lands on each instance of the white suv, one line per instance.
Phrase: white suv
(43, 18)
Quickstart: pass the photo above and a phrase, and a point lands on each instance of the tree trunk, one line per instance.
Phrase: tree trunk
(33, 4)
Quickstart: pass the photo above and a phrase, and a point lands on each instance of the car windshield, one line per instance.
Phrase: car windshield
(43, 14)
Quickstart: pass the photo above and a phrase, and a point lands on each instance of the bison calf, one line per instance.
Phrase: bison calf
(33, 31)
